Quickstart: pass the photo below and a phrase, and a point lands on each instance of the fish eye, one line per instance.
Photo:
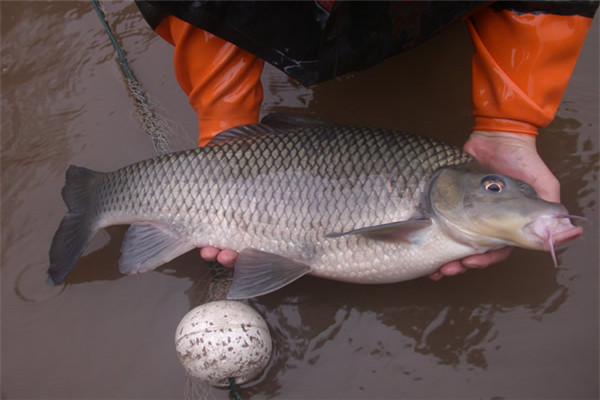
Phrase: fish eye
(492, 183)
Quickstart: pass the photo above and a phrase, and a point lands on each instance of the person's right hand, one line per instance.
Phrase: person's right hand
(511, 154)
(514, 155)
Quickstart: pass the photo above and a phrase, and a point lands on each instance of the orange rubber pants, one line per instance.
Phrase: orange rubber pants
(521, 66)
(222, 81)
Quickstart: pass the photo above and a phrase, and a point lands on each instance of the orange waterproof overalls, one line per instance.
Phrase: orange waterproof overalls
(521, 66)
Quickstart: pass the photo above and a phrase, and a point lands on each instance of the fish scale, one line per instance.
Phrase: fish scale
(293, 196)
(284, 190)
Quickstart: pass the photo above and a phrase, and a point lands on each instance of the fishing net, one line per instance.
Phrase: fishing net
(211, 284)
(205, 288)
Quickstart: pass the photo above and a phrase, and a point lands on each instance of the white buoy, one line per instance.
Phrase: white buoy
(223, 339)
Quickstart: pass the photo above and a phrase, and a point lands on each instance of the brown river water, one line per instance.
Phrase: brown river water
(521, 329)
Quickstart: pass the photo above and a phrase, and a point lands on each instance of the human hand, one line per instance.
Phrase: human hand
(514, 155)
(226, 258)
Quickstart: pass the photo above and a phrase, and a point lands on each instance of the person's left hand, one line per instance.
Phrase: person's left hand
(226, 257)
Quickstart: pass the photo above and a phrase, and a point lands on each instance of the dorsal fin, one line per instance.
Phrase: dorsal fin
(242, 132)
(285, 121)
(271, 124)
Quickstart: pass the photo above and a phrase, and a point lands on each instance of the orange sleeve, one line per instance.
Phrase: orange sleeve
(222, 81)
(521, 66)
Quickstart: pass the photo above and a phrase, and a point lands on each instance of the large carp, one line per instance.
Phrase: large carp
(295, 196)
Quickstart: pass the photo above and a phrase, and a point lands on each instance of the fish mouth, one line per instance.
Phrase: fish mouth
(552, 231)
(564, 237)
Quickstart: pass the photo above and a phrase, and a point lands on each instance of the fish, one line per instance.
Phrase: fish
(296, 195)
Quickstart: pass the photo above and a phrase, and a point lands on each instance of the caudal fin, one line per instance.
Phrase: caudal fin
(76, 228)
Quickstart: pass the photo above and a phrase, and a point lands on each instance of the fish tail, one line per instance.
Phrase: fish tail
(76, 228)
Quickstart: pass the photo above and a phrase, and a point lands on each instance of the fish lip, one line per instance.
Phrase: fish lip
(566, 236)
(561, 234)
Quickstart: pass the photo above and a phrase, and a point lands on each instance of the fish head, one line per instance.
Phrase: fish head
(489, 210)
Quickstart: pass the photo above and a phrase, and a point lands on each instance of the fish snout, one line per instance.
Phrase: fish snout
(566, 235)
(552, 231)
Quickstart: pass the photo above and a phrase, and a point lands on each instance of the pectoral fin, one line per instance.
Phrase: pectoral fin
(147, 246)
(257, 272)
(404, 231)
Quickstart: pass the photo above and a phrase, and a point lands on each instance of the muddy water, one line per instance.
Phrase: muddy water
(521, 329)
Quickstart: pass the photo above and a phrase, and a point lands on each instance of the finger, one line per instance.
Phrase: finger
(488, 258)
(209, 253)
(452, 268)
(449, 269)
(436, 276)
(227, 258)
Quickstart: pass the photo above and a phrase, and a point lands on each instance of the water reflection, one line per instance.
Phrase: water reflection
(283, 93)
(30, 288)
(38, 88)
(576, 164)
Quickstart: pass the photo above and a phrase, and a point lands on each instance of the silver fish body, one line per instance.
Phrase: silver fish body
(341, 202)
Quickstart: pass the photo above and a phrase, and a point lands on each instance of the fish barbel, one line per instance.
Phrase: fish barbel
(295, 195)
